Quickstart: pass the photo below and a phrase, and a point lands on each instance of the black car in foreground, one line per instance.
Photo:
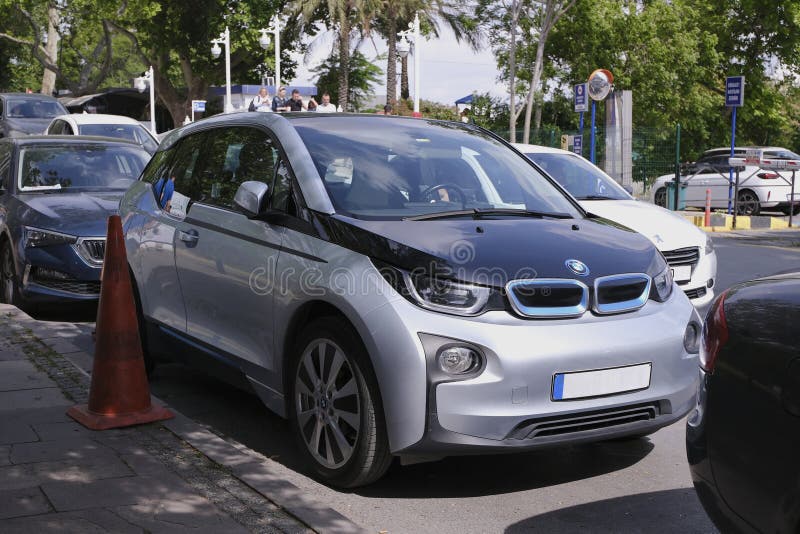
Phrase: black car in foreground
(56, 194)
(743, 439)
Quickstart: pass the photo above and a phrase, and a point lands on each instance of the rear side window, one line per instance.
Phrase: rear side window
(5, 166)
(171, 173)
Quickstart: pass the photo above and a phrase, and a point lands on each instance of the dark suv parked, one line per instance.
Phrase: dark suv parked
(25, 114)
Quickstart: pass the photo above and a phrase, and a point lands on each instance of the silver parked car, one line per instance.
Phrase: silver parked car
(402, 287)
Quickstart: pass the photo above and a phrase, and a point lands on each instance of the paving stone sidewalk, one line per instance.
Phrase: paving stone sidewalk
(174, 476)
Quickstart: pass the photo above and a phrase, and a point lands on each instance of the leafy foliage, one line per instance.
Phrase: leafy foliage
(362, 76)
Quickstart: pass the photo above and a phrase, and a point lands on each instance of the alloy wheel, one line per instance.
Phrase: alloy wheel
(661, 198)
(748, 203)
(327, 403)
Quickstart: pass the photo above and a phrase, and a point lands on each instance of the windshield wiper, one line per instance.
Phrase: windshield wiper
(596, 197)
(477, 213)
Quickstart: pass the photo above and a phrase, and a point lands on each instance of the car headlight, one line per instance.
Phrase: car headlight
(709, 245)
(662, 285)
(36, 237)
(446, 295)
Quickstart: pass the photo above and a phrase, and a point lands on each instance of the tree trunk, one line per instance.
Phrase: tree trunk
(537, 75)
(344, 57)
(404, 94)
(537, 117)
(51, 50)
(512, 73)
(391, 65)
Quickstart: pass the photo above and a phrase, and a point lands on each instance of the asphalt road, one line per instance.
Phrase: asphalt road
(625, 486)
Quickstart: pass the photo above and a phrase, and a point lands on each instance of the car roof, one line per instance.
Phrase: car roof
(539, 149)
(68, 140)
(30, 96)
(97, 118)
(743, 148)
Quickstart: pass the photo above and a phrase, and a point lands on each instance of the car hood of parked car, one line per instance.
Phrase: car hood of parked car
(28, 126)
(665, 229)
(82, 213)
(495, 251)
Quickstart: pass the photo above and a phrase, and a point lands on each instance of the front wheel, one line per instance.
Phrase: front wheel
(660, 198)
(748, 203)
(335, 408)
(9, 289)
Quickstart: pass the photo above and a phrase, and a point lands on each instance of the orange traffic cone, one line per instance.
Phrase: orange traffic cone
(119, 395)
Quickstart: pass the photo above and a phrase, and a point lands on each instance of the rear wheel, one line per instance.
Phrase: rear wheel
(335, 408)
(660, 198)
(149, 361)
(748, 203)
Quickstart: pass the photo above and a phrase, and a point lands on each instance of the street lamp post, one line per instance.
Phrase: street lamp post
(404, 47)
(141, 84)
(274, 27)
(224, 39)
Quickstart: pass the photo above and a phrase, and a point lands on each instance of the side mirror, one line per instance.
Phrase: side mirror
(250, 197)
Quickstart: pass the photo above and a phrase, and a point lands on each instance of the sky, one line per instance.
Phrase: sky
(448, 70)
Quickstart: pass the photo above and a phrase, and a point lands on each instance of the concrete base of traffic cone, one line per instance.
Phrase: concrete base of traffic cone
(119, 395)
(98, 421)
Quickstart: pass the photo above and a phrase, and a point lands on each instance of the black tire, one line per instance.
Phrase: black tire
(747, 203)
(9, 281)
(660, 198)
(149, 360)
(789, 211)
(323, 402)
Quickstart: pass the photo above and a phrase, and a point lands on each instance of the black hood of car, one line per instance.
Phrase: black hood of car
(493, 252)
(28, 126)
(77, 213)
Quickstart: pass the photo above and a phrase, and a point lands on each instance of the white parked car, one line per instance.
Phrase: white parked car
(103, 125)
(759, 189)
(687, 249)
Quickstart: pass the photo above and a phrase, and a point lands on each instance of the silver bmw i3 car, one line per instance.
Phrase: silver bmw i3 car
(404, 288)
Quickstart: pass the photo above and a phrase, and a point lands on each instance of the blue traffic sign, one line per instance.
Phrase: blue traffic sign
(579, 98)
(199, 105)
(577, 144)
(734, 91)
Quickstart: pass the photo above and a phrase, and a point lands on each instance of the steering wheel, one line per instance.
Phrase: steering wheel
(448, 188)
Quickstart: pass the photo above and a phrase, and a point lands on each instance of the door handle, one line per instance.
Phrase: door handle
(189, 237)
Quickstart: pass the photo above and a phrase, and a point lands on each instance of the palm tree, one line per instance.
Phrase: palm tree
(347, 16)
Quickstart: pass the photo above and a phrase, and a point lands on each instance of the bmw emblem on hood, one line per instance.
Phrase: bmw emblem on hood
(577, 267)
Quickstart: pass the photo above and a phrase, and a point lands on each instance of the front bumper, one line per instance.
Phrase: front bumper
(80, 283)
(703, 273)
(492, 411)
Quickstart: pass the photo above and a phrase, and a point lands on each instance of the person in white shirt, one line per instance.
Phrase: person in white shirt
(326, 106)
(261, 101)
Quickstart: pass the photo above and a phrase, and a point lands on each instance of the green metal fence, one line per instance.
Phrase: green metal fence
(653, 149)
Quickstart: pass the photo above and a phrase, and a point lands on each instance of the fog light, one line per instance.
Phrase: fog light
(691, 338)
(710, 283)
(458, 360)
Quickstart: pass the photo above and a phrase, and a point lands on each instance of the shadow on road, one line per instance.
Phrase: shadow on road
(676, 510)
(241, 416)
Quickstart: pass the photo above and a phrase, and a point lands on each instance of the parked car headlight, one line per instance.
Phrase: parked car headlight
(662, 285)
(447, 296)
(709, 245)
(35, 237)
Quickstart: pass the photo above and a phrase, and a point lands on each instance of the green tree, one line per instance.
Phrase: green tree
(362, 76)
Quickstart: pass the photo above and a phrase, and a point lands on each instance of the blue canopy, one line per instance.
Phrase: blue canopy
(464, 100)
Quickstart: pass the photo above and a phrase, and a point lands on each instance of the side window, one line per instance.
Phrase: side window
(66, 129)
(5, 166)
(235, 155)
(171, 173)
(282, 189)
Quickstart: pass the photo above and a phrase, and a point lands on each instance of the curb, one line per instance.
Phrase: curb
(246, 465)
(722, 222)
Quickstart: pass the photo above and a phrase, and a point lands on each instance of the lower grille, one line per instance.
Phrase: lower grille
(584, 421)
(59, 281)
(696, 293)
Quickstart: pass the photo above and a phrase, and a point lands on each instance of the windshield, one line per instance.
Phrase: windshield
(48, 168)
(30, 108)
(379, 168)
(130, 132)
(577, 175)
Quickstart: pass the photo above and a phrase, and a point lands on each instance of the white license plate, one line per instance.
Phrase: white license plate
(583, 384)
(682, 273)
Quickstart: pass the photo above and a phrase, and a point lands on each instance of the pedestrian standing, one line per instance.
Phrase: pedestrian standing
(296, 102)
(326, 106)
(260, 102)
(279, 102)
(312, 104)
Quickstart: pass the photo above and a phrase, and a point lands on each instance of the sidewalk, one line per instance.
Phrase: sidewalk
(173, 476)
